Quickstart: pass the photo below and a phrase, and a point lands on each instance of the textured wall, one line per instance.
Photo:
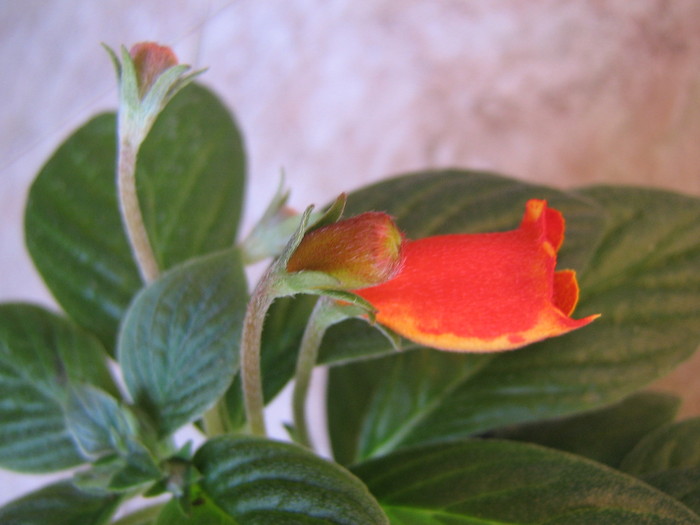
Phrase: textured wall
(340, 93)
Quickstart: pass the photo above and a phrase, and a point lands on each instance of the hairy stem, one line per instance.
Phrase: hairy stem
(308, 354)
(131, 212)
(251, 379)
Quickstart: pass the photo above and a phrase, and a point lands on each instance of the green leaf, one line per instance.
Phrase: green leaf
(669, 459)
(500, 482)
(190, 180)
(374, 405)
(97, 421)
(41, 356)
(680, 483)
(74, 232)
(605, 435)
(178, 346)
(638, 256)
(59, 504)
(675, 445)
(190, 177)
(258, 481)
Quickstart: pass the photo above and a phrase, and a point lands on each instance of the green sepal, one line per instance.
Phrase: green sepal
(331, 215)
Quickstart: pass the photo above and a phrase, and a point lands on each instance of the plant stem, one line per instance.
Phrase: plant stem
(251, 379)
(131, 211)
(308, 354)
(216, 419)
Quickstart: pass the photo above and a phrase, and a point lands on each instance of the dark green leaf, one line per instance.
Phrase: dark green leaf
(669, 459)
(605, 435)
(675, 445)
(500, 482)
(191, 173)
(178, 346)
(59, 504)
(640, 268)
(262, 482)
(74, 232)
(41, 356)
(373, 405)
(680, 483)
(190, 177)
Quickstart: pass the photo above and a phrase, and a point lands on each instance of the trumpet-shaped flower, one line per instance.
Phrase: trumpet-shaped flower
(482, 292)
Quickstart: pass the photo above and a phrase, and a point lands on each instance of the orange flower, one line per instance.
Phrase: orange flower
(482, 292)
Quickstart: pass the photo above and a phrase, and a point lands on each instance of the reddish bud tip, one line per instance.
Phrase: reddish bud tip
(361, 251)
(150, 61)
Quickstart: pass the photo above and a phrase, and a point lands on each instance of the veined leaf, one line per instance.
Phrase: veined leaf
(606, 435)
(258, 482)
(500, 482)
(190, 177)
(179, 344)
(41, 356)
(59, 504)
(673, 446)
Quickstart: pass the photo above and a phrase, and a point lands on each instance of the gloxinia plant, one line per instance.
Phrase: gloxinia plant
(486, 340)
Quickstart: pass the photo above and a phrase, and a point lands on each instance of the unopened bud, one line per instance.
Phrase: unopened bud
(150, 61)
(361, 251)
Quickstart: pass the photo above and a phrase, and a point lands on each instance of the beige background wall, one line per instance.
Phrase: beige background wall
(340, 93)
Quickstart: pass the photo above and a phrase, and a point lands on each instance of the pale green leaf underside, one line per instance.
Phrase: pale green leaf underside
(179, 344)
(41, 355)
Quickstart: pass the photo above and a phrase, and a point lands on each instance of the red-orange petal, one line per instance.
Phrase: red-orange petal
(565, 291)
(482, 292)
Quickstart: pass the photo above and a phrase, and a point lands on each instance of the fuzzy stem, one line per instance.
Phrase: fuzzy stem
(251, 376)
(322, 317)
(131, 212)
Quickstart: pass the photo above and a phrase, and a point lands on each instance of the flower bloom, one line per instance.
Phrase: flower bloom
(482, 292)
(360, 251)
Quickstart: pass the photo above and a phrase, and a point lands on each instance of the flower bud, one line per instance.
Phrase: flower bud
(150, 61)
(361, 251)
